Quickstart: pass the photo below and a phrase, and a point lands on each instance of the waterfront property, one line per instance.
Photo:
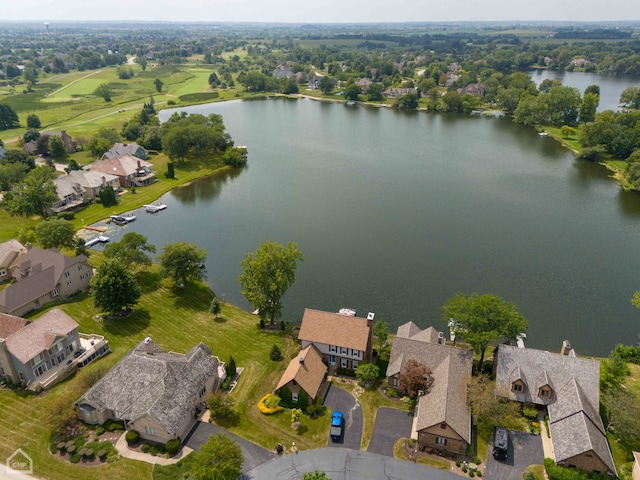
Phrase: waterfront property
(156, 393)
(131, 171)
(43, 276)
(47, 350)
(443, 419)
(301, 381)
(568, 386)
(79, 187)
(343, 341)
(125, 149)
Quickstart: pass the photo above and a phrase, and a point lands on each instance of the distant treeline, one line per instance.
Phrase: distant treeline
(596, 34)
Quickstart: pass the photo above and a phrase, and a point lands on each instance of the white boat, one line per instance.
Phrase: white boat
(94, 241)
(543, 134)
(154, 208)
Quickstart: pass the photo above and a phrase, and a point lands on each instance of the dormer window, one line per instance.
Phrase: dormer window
(517, 386)
(544, 392)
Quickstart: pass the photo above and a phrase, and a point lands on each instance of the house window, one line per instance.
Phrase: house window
(332, 359)
(55, 292)
(344, 351)
(333, 348)
(67, 274)
(356, 353)
(294, 397)
(79, 268)
(544, 392)
(354, 364)
(68, 282)
(441, 441)
(443, 425)
(21, 375)
(343, 362)
(517, 387)
(37, 359)
(203, 391)
(3, 272)
(151, 431)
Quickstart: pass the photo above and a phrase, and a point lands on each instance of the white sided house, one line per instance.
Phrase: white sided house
(343, 341)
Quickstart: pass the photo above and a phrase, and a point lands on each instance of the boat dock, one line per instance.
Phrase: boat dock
(94, 241)
(95, 229)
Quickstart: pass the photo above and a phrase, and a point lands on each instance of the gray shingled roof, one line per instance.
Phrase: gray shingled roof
(161, 385)
(91, 179)
(450, 367)
(40, 334)
(539, 367)
(9, 250)
(121, 149)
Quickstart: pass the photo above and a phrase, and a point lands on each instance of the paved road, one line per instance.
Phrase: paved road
(340, 400)
(391, 424)
(345, 464)
(253, 454)
(524, 450)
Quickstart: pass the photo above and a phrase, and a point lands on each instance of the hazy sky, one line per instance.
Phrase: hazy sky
(320, 11)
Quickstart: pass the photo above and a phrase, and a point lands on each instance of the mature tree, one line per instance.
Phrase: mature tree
(266, 276)
(12, 174)
(103, 90)
(108, 196)
(589, 107)
(158, 84)
(490, 410)
(220, 458)
(630, 97)
(140, 60)
(508, 99)
(453, 101)
(381, 332)
(131, 250)
(481, 319)
(220, 406)
(8, 117)
(564, 105)
(55, 233)
(42, 144)
(34, 196)
(374, 92)
(254, 81)
(18, 156)
(30, 135)
(33, 121)
(102, 141)
(547, 84)
(57, 150)
(622, 415)
(352, 92)
(367, 374)
(613, 370)
(415, 376)
(325, 85)
(595, 89)
(407, 102)
(114, 288)
(176, 143)
(183, 261)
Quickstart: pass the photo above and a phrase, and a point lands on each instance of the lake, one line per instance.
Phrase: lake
(396, 212)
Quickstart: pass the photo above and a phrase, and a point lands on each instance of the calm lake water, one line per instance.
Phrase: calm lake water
(397, 212)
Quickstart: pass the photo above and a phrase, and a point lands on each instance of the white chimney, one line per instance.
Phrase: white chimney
(147, 346)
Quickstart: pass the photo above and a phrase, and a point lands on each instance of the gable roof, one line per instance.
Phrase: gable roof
(148, 381)
(10, 324)
(40, 335)
(9, 252)
(91, 179)
(334, 329)
(576, 427)
(119, 149)
(450, 367)
(539, 367)
(122, 166)
(309, 373)
(67, 185)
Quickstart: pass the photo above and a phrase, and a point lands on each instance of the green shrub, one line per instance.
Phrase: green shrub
(66, 215)
(472, 473)
(145, 448)
(75, 458)
(477, 460)
(261, 324)
(346, 372)
(53, 447)
(458, 463)
(230, 367)
(113, 425)
(529, 476)
(391, 393)
(530, 412)
(153, 451)
(171, 102)
(225, 384)
(283, 325)
(275, 354)
(88, 453)
(102, 454)
(173, 446)
(99, 431)
(132, 437)
(479, 473)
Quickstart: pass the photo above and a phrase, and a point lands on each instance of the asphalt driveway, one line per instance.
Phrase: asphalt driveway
(391, 424)
(524, 449)
(252, 454)
(340, 400)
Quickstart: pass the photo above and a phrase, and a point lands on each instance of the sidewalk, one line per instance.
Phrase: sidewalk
(547, 445)
(123, 449)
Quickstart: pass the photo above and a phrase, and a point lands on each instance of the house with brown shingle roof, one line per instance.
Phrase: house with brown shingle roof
(46, 350)
(303, 378)
(568, 386)
(343, 341)
(43, 276)
(154, 392)
(10, 253)
(79, 187)
(443, 419)
(131, 171)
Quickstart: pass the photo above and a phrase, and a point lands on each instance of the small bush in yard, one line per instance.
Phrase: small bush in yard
(173, 446)
(75, 458)
(132, 437)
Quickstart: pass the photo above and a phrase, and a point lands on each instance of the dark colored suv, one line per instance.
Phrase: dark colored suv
(500, 443)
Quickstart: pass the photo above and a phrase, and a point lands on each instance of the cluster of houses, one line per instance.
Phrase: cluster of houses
(159, 393)
(125, 165)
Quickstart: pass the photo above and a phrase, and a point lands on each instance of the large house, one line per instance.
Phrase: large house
(155, 393)
(443, 419)
(125, 149)
(79, 187)
(69, 145)
(45, 351)
(568, 386)
(303, 378)
(10, 253)
(43, 276)
(343, 341)
(131, 171)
